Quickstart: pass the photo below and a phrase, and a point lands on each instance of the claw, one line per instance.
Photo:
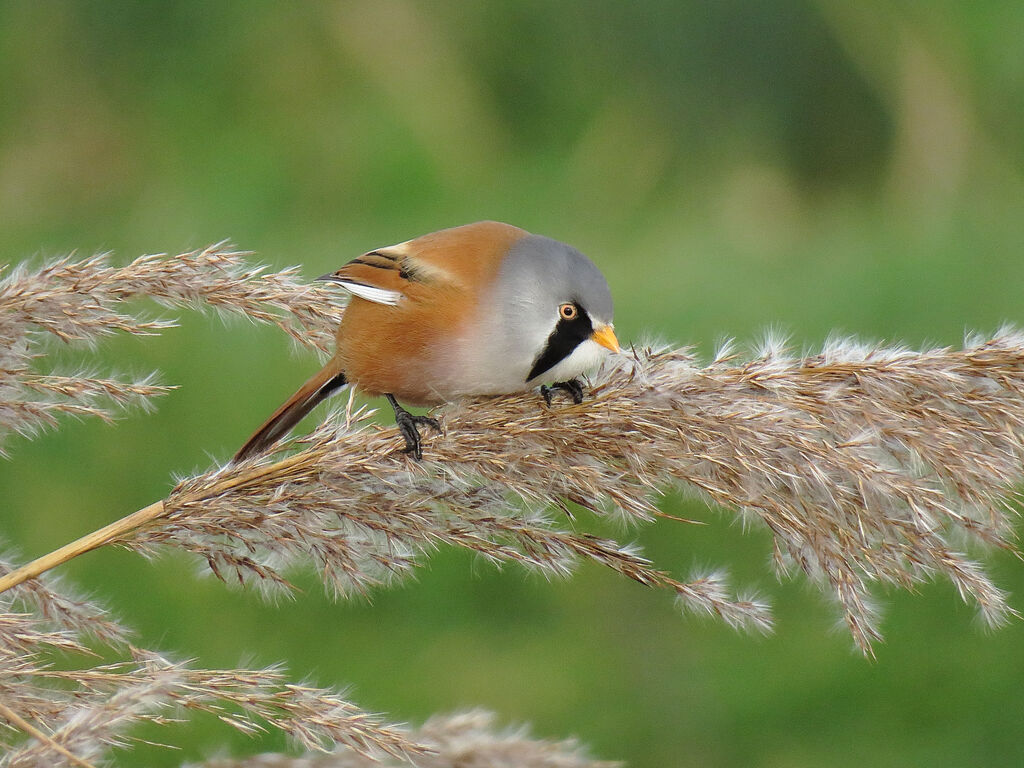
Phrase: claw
(573, 386)
(408, 425)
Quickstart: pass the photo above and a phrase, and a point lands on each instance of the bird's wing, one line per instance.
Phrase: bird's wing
(461, 257)
(379, 276)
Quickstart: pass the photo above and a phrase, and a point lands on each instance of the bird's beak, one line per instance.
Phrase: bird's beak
(605, 336)
(329, 277)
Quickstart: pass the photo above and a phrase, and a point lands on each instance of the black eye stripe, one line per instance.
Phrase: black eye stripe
(568, 335)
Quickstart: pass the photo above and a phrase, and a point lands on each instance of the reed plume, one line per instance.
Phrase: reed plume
(76, 711)
(467, 740)
(61, 707)
(868, 464)
(80, 302)
(58, 705)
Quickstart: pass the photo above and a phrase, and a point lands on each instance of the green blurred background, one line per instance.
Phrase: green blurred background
(732, 166)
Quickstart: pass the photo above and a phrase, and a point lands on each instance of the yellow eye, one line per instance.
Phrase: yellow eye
(568, 311)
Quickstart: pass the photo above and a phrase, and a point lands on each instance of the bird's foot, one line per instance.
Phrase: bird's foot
(409, 424)
(573, 386)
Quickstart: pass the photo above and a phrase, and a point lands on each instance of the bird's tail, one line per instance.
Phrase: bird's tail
(328, 380)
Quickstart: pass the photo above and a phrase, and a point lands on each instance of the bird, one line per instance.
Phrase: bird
(480, 309)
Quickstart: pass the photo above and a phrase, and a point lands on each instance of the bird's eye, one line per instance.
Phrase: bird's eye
(568, 311)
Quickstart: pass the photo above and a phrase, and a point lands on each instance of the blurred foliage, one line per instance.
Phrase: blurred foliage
(813, 166)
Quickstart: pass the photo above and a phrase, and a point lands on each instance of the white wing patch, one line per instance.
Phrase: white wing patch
(370, 293)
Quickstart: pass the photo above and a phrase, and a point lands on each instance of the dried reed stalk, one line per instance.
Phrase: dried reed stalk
(867, 463)
(74, 713)
(79, 302)
(466, 740)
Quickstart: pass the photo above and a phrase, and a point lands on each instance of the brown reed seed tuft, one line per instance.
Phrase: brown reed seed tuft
(85, 709)
(867, 463)
(74, 713)
(80, 302)
(466, 740)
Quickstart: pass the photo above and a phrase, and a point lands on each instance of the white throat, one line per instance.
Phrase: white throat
(587, 356)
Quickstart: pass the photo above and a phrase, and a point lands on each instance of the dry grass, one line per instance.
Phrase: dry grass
(85, 708)
(868, 464)
(466, 740)
(80, 302)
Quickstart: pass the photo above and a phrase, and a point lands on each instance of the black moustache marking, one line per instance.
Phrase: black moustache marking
(568, 335)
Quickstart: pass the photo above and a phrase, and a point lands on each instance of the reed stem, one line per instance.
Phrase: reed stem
(132, 522)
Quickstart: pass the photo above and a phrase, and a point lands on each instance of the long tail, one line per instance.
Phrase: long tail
(325, 382)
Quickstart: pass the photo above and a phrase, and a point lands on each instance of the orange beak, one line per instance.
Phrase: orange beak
(605, 336)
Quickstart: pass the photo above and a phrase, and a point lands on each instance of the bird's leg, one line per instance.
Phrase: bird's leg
(408, 426)
(573, 386)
